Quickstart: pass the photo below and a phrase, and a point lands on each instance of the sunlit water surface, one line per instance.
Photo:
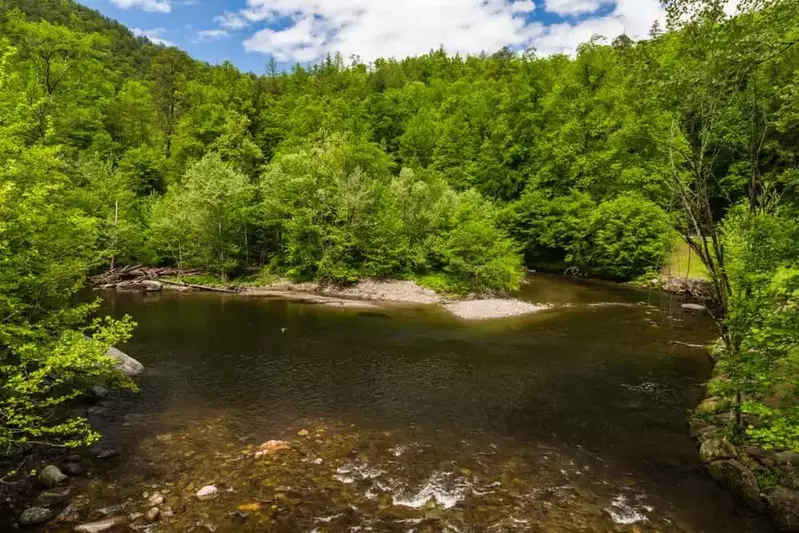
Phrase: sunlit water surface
(572, 419)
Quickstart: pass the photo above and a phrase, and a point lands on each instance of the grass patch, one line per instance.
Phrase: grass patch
(683, 262)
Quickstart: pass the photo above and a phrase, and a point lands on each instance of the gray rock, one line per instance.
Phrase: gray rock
(73, 469)
(152, 514)
(739, 479)
(151, 285)
(36, 515)
(693, 307)
(51, 476)
(209, 492)
(71, 513)
(52, 496)
(708, 433)
(111, 509)
(784, 508)
(105, 453)
(98, 391)
(100, 525)
(788, 457)
(715, 449)
(125, 363)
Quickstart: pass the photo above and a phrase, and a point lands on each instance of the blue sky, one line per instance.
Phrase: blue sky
(250, 32)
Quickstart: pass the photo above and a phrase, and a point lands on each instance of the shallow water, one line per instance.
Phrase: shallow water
(572, 419)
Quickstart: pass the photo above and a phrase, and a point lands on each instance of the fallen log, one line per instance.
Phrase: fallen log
(198, 287)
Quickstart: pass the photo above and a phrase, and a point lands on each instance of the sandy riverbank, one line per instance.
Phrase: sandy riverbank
(373, 293)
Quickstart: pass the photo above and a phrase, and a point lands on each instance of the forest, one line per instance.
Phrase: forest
(457, 172)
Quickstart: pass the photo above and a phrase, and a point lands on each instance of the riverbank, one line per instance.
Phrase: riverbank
(767, 480)
(367, 293)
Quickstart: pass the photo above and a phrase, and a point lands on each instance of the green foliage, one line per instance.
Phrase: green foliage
(48, 353)
(447, 169)
(763, 320)
(203, 220)
(624, 238)
(326, 216)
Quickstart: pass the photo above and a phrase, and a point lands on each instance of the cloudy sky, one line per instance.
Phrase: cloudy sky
(249, 32)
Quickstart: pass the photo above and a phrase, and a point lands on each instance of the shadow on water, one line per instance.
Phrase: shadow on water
(572, 419)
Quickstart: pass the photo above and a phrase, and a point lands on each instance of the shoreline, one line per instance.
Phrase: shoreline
(364, 294)
(368, 293)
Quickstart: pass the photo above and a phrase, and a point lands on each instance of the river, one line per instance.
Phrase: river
(408, 419)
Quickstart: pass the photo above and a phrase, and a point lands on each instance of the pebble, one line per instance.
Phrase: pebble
(318, 461)
(208, 492)
(156, 499)
(106, 453)
(152, 514)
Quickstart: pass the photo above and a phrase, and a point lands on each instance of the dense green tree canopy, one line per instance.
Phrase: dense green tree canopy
(456, 171)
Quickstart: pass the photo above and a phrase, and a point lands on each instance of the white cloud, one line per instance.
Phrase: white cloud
(399, 28)
(573, 7)
(631, 17)
(160, 6)
(155, 35)
(211, 35)
(232, 21)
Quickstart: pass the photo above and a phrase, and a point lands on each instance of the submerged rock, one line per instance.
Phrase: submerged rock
(152, 514)
(271, 446)
(73, 469)
(51, 476)
(125, 363)
(57, 495)
(36, 515)
(100, 525)
(105, 453)
(155, 499)
(209, 492)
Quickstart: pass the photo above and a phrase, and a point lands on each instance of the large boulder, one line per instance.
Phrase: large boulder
(715, 449)
(784, 508)
(739, 479)
(51, 476)
(125, 363)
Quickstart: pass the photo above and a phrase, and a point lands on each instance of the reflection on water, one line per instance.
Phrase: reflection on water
(572, 419)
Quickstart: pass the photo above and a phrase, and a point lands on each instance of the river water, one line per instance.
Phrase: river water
(408, 419)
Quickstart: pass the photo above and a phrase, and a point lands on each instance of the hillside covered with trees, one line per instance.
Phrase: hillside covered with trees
(455, 171)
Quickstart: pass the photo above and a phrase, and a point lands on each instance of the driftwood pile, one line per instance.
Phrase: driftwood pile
(135, 277)
(150, 279)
